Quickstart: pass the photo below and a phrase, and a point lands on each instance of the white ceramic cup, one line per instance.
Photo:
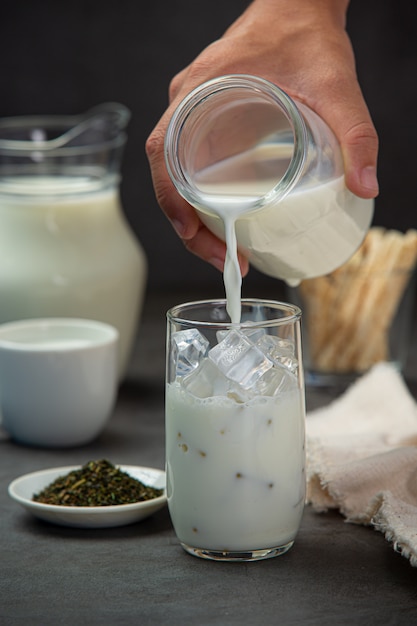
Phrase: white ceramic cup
(58, 380)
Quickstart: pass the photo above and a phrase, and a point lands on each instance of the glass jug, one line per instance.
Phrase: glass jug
(66, 249)
(240, 148)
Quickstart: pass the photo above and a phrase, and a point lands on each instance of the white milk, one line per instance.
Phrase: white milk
(308, 232)
(232, 276)
(235, 472)
(69, 254)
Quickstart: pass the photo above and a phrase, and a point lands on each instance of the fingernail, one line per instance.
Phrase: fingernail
(368, 179)
(179, 227)
(218, 263)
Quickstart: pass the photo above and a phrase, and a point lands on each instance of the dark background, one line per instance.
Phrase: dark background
(64, 57)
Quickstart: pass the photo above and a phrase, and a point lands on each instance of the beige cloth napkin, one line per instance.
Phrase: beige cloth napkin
(362, 457)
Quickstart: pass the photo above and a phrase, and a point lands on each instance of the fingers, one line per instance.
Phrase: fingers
(184, 219)
(346, 112)
(350, 121)
(181, 215)
(360, 150)
(314, 65)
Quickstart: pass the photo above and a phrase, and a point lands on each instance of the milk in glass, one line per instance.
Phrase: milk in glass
(235, 436)
(235, 470)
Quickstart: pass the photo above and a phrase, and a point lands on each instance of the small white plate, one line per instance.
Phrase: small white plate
(22, 490)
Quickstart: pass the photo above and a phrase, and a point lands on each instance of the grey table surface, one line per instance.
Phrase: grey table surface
(336, 573)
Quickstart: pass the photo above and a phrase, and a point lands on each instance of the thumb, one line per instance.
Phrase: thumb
(359, 142)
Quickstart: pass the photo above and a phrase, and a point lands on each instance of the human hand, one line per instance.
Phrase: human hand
(302, 47)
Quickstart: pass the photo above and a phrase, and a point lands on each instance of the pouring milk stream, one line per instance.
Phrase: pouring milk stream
(266, 174)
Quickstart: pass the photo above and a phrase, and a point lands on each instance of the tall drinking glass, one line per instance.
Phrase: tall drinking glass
(235, 415)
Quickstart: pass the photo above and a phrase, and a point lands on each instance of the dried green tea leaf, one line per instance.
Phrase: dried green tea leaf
(97, 483)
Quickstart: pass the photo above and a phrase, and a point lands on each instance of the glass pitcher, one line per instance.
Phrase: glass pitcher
(66, 249)
(239, 147)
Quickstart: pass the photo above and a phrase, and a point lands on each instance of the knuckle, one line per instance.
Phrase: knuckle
(163, 193)
(174, 87)
(360, 133)
(154, 144)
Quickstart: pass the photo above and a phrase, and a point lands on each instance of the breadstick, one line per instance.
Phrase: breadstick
(387, 301)
(349, 312)
(374, 292)
(336, 352)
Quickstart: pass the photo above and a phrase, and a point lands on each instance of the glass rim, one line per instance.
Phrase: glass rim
(295, 313)
(210, 89)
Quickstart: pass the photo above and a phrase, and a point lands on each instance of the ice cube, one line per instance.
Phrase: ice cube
(275, 381)
(254, 334)
(206, 381)
(279, 351)
(188, 347)
(221, 334)
(239, 359)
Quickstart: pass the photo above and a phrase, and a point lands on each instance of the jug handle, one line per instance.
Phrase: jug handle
(111, 114)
